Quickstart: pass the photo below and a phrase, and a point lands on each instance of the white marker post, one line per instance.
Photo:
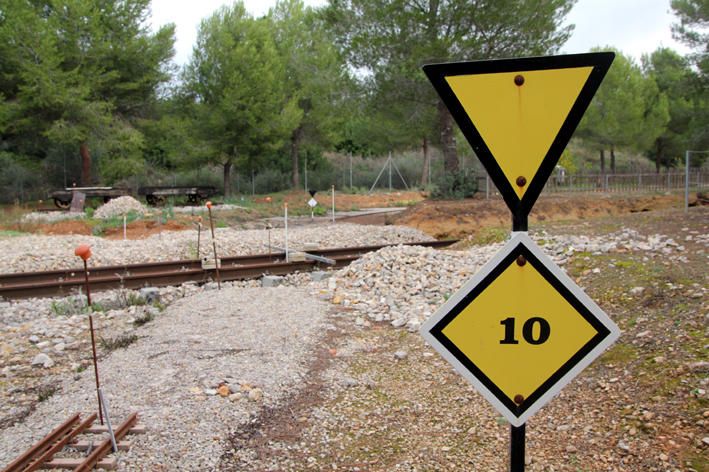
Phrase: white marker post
(333, 204)
(124, 226)
(286, 224)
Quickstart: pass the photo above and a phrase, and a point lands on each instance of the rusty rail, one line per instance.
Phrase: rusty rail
(131, 276)
(27, 461)
(105, 447)
(41, 454)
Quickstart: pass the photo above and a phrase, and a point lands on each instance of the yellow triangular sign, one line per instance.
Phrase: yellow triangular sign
(519, 114)
(519, 122)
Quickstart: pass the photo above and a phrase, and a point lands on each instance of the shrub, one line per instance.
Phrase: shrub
(122, 341)
(146, 317)
(455, 185)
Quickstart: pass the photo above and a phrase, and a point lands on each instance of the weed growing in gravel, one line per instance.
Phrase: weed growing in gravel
(133, 299)
(125, 298)
(61, 308)
(146, 317)
(119, 342)
(73, 306)
(98, 307)
(45, 392)
(620, 354)
(489, 236)
(9, 233)
(168, 213)
(114, 222)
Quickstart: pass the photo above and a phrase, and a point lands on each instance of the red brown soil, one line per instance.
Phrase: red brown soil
(346, 201)
(135, 230)
(143, 228)
(65, 227)
(440, 219)
(461, 218)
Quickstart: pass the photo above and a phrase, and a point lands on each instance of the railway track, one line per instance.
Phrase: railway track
(41, 454)
(132, 276)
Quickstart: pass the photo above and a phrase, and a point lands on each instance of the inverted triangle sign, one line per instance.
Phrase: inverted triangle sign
(519, 115)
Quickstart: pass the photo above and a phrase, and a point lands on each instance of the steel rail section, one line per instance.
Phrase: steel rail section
(186, 264)
(106, 446)
(42, 445)
(43, 451)
(131, 276)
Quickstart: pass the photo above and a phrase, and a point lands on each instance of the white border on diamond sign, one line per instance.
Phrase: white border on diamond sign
(517, 239)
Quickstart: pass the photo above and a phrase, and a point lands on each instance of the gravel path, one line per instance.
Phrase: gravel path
(254, 341)
(35, 253)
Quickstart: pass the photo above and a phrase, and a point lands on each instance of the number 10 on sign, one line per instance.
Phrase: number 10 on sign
(520, 330)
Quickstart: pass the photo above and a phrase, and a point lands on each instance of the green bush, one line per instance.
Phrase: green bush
(455, 185)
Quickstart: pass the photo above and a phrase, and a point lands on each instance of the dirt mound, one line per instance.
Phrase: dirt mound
(461, 218)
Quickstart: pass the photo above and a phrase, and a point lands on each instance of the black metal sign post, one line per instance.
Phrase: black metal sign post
(518, 115)
(517, 441)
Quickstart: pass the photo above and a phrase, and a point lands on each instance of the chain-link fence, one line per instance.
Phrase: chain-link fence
(349, 173)
(674, 181)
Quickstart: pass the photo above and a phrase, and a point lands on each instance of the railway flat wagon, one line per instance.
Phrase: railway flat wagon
(62, 198)
(195, 195)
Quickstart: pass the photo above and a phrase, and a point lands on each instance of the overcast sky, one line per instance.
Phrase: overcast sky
(632, 26)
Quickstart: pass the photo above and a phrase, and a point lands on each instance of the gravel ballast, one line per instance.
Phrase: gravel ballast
(36, 253)
(253, 341)
(260, 341)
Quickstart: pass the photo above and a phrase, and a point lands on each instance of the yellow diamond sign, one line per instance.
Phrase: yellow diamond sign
(520, 330)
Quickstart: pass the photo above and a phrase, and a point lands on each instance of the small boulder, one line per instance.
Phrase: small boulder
(400, 355)
(42, 360)
(271, 280)
(151, 295)
(318, 275)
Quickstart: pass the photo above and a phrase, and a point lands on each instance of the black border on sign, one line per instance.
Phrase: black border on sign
(518, 410)
(437, 73)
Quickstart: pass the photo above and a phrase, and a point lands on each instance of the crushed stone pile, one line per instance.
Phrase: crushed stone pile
(119, 207)
(405, 285)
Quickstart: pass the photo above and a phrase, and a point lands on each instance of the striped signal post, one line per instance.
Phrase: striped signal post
(214, 245)
(84, 252)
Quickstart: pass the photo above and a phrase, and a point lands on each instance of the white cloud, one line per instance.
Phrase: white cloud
(632, 26)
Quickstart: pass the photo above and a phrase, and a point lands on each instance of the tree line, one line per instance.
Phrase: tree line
(89, 93)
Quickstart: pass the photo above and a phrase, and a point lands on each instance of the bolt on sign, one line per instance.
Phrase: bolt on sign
(520, 329)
